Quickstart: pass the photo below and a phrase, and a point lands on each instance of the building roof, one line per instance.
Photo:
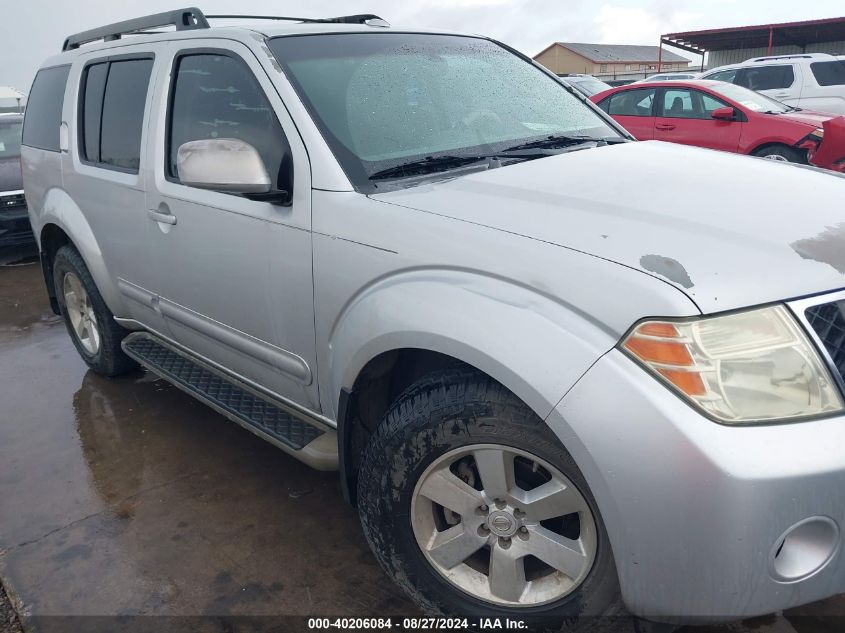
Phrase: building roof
(7, 92)
(620, 53)
(796, 33)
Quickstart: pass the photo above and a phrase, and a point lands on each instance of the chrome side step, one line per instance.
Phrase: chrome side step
(292, 431)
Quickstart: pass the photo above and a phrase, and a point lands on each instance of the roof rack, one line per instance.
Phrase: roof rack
(362, 18)
(183, 19)
(791, 56)
(192, 18)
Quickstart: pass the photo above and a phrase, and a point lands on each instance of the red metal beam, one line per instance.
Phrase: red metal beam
(808, 31)
(759, 27)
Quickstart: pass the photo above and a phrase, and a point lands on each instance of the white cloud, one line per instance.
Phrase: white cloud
(464, 4)
(638, 25)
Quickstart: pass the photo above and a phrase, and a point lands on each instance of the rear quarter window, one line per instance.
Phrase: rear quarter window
(829, 73)
(44, 109)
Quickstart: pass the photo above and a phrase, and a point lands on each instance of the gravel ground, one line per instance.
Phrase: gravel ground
(9, 622)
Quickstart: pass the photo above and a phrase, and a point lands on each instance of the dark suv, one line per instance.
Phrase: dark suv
(14, 222)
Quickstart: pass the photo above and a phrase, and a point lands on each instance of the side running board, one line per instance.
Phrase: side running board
(293, 431)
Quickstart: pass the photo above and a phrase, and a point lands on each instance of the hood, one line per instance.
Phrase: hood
(10, 174)
(729, 231)
(808, 117)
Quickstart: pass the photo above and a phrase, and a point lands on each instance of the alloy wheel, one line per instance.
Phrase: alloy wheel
(503, 525)
(81, 314)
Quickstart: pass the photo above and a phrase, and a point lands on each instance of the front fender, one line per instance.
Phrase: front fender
(534, 345)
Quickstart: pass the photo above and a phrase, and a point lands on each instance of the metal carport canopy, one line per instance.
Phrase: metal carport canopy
(764, 35)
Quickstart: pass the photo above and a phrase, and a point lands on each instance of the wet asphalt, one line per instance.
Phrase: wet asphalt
(127, 497)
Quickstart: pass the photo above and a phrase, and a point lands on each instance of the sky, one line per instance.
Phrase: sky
(31, 30)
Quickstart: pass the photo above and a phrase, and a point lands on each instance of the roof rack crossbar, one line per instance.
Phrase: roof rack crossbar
(362, 18)
(183, 19)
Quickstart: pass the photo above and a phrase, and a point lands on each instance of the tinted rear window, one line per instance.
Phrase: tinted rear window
(724, 75)
(94, 85)
(829, 73)
(767, 77)
(44, 108)
(10, 138)
(630, 103)
(123, 113)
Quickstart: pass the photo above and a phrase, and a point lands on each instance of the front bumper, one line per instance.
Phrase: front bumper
(830, 154)
(15, 229)
(695, 510)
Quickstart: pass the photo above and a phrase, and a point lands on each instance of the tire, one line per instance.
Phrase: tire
(101, 352)
(441, 415)
(782, 153)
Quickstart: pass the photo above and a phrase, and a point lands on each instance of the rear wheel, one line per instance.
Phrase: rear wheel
(89, 321)
(783, 153)
(472, 505)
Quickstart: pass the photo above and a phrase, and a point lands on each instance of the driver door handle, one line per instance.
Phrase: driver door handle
(159, 216)
(665, 126)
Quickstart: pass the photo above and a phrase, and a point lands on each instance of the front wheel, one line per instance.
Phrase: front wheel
(782, 153)
(471, 504)
(89, 321)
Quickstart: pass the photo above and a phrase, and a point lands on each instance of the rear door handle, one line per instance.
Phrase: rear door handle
(158, 216)
(665, 126)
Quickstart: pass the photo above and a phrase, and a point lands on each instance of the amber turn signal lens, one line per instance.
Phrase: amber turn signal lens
(689, 382)
(666, 352)
(667, 330)
(653, 343)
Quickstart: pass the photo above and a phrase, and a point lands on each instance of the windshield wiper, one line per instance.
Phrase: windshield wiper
(522, 152)
(556, 141)
(427, 165)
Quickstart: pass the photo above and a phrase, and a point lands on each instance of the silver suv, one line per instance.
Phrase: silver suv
(553, 369)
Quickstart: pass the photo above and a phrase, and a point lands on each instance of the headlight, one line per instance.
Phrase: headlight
(740, 368)
(817, 134)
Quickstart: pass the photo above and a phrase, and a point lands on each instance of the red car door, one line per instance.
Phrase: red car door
(633, 109)
(684, 116)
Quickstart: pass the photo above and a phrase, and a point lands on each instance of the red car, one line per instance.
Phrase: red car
(727, 117)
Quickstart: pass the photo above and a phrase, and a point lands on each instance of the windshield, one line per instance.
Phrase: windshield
(10, 139)
(385, 99)
(752, 100)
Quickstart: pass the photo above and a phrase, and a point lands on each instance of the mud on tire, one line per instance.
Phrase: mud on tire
(108, 359)
(442, 412)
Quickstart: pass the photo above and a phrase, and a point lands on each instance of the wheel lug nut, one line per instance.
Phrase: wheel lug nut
(523, 529)
(483, 507)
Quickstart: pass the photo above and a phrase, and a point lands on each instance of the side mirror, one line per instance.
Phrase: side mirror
(723, 114)
(228, 165)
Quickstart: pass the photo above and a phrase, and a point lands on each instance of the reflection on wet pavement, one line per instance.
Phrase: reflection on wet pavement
(126, 496)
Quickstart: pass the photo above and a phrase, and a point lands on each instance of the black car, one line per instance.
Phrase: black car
(14, 221)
